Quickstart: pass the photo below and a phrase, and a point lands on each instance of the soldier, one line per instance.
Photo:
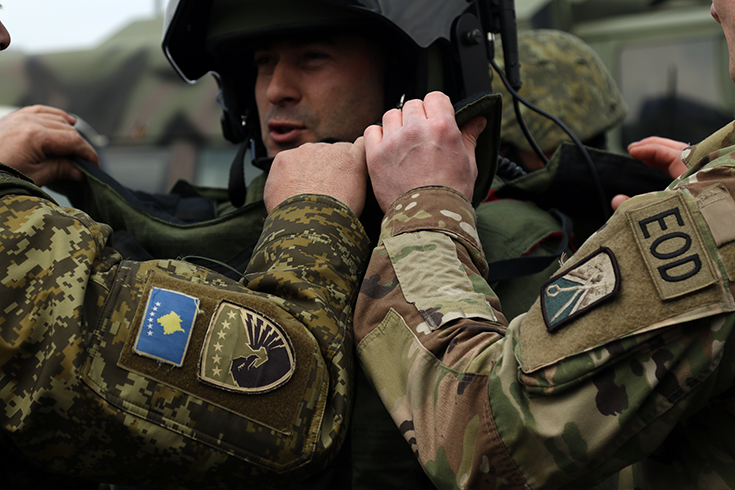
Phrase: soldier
(622, 370)
(297, 91)
(565, 78)
(106, 360)
(302, 87)
(556, 68)
(163, 373)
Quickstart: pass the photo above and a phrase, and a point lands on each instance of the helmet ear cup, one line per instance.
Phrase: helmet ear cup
(232, 127)
(236, 99)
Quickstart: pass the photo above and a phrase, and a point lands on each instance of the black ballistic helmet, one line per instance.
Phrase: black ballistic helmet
(430, 45)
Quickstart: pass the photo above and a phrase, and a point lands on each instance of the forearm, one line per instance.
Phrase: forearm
(84, 314)
(310, 257)
(309, 262)
(428, 334)
(544, 408)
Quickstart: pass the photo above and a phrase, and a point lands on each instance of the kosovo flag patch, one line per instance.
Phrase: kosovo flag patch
(166, 326)
(585, 286)
(245, 352)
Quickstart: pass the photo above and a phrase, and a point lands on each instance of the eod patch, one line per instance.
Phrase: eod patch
(672, 247)
(245, 351)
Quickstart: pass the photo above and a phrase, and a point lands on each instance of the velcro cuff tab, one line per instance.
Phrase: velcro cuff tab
(434, 280)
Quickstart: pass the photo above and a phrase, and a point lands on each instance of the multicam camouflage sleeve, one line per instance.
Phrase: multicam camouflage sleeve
(622, 369)
(163, 374)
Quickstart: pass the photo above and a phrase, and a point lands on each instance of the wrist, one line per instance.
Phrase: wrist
(431, 207)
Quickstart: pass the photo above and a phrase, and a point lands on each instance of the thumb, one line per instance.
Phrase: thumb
(358, 147)
(471, 131)
(618, 200)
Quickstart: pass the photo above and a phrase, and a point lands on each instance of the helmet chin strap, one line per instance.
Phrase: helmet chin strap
(236, 187)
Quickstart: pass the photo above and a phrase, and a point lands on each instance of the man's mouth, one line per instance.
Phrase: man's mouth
(283, 132)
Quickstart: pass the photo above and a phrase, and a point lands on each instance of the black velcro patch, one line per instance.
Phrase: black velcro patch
(290, 398)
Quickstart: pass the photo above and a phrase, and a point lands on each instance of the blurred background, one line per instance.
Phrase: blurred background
(102, 60)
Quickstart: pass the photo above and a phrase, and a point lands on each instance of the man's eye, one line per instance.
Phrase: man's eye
(316, 55)
(262, 59)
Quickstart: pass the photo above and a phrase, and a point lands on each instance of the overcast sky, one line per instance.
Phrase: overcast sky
(38, 26)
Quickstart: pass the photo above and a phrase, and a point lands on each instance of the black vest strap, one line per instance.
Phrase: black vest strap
(236, 188)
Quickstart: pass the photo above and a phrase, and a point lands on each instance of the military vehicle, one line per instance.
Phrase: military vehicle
(668, 57)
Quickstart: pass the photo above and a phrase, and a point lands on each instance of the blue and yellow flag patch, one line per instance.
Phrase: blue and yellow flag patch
(166, 327)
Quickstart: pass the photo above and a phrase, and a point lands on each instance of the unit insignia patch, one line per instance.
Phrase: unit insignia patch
(580, 289)
(245, 352)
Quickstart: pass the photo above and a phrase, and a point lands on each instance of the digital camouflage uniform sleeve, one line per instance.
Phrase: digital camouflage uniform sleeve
(625, 361)
(163, 374)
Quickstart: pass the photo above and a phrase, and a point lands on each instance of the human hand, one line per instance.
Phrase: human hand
(37, 140)
(660, 153)
(421, 146)
(337, 170)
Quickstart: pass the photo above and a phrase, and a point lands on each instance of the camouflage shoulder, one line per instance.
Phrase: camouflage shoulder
(15, 183)
(711, 148)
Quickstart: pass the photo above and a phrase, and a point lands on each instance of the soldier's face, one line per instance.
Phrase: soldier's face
(4, 37)
(308, 90)
(724, 12)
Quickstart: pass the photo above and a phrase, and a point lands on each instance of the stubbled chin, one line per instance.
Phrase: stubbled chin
(275, 148)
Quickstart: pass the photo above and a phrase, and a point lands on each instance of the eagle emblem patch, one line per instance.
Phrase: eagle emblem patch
(245, 352)
(580, 289)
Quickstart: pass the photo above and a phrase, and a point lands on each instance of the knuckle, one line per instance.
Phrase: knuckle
(445, 125)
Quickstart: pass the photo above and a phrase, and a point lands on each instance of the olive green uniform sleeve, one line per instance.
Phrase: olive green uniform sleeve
(623, 363)
(163, 374)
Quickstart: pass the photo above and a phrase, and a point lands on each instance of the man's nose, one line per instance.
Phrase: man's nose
(283, 86)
